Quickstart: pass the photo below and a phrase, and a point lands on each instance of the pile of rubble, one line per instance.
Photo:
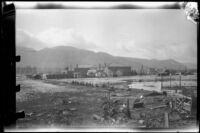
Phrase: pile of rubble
(154, 110)
(113, 112)
(116, 111)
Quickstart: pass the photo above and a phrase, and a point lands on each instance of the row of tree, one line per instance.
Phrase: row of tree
(26, 70)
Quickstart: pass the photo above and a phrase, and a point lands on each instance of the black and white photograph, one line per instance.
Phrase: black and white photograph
(106, 66)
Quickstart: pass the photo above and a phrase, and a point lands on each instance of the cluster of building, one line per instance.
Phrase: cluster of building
(89, 71)
(112, 70)
(106, 70)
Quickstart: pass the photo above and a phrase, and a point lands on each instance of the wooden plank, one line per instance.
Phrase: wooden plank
(155, 107)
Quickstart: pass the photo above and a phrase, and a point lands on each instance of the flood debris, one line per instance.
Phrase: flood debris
(97, 117)
(138, 105)
(154, 93)
(152, 107)
(115, 111)
(174, 116)
(121, 106)
(152, 110)
(139, 102)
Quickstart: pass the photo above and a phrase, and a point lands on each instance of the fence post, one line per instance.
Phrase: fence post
(109, 101)
(166, 120)
(175, 104)
(128, 109)
(180, 80)
(161, 82)
(170, 81)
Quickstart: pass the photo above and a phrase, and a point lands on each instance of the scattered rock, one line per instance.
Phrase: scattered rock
(89, 94)
(135, 115)
(40, 114)
(141, 121)
(65, 112)
(73, 109)
(58, 101)
(119, 119)
(112, 120)
(142, 115)
(65, 101)
(122, 107)
(134, 124)
(97, 117)
(49, 115)
(73, 98)
(99, 100)
(29, 114)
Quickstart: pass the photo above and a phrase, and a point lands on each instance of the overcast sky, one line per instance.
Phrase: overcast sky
(142, 33)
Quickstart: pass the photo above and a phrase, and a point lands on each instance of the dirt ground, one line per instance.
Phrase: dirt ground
(59, 104)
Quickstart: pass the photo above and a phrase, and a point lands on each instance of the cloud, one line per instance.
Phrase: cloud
(67, 37)
(53, 37)
(156, 50)
(133, 49)
(26, 39)
(126, 47)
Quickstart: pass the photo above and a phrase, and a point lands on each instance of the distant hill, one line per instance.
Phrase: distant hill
(191, 65)
(63, 56)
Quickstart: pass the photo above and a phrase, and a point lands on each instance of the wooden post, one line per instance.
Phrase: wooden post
(166, 120)
(170, 81)
(109, 95)
(175, 104)
(128, 109)
(161, 82)
(180, 80)
(109, 100)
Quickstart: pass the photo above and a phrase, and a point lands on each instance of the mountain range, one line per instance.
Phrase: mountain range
(64, 56)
